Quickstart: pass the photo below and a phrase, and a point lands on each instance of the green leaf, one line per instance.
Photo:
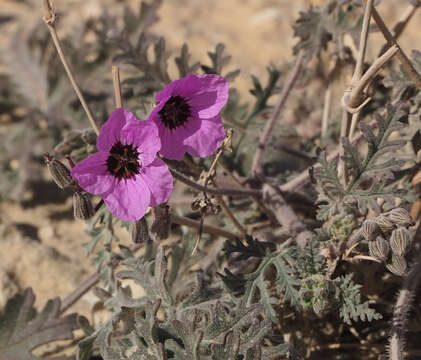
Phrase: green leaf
(22, 329)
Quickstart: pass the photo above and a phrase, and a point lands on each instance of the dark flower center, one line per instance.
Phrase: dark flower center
(175, 112)
(123, 161)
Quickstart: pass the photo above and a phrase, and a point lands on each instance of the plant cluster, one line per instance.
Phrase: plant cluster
(271, 260)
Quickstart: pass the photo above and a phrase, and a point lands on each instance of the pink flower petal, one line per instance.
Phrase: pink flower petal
(129, 199)
(184, 87)
(213, 131)
(172, 146)
(158, 178)
(144, 135)
(211, 98)
(92, 174)
(110, 132)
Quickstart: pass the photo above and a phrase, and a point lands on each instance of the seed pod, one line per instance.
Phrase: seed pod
(139, 231)
(400, 241)
(379, 248)
(400, 216)
(384, 223)
(82, 206)
(369, 229)
(397, 265)
(162, 222)
(59, 172)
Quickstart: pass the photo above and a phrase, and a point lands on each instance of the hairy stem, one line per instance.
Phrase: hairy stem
(50, 18)
(215, 191)
(402, 309)
(286, 90)
(182, 220)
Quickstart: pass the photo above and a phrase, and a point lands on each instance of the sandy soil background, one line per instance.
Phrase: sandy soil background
(47, 255)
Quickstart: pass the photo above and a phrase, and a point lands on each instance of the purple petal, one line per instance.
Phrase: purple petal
(129, 199)
(206, 140)
(144, 135)
(172, 145)
(92, 174)
(211, 98)
(159, 180)
(110, 132)
(184, 87)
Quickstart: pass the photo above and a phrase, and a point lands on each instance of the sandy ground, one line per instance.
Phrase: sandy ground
(47, 254)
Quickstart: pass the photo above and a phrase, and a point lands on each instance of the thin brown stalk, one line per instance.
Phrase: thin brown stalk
(391, 40)
(87, 285)
(286, 215)
(262, 206)
(182, 220)
(370, 74)
(286, 90)
(400, 26)
(227, 211)
(326, 110)
(81, 290)
(345, 125)
(364, 81)
(49, 19)
(347, 121)
(214, 191)
(358, 73)
(117, 87)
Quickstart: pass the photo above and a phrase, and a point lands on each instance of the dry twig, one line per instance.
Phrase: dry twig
(117, 87)
(50, 19)
(215, 191)
(286, 90)
(391, 40)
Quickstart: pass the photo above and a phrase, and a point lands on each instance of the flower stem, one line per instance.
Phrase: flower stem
(214, 191)
(402, 309)
(182, 220)
(49, 19)
(117, 87)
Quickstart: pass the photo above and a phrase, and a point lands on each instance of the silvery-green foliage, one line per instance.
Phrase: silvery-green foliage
(22, 329)
(102, 236)
(351, 307)
(370, 175)
(198, 327)
(319, 26)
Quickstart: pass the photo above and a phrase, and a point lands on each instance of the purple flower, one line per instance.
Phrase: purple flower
(125, 171)
(188, 118)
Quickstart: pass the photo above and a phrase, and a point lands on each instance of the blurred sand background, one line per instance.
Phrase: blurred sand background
(47, 255)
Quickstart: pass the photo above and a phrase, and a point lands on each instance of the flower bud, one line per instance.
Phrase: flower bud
(82, 206)
(400, 216)
(162, 222)
(59, 172)
(379, 248)
(397, 265)
(400, 241)
(139, 231)
(384, 223)
(370, 229)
